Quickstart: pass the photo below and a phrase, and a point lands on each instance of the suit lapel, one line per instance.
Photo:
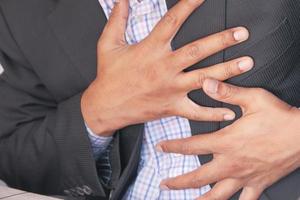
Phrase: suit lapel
(77, 25)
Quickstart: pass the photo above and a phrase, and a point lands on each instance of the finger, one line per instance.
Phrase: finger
(168, 26)
(250, 193)
(223, 190)
(244, 97)
(190, 110)
(196, 145)
(114, 31)
(194, 80)
(205, 47)
(206, 174)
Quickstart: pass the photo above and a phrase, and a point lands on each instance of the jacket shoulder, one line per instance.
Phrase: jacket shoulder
(18, 19)
(19, 11)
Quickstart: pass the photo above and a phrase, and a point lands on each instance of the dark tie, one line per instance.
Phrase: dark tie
(104, 167)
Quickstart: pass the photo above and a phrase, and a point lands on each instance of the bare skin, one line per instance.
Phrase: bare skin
(143, 82)
(252, 154)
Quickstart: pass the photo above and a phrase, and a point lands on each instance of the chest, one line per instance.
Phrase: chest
(65, 39)
(143, 16)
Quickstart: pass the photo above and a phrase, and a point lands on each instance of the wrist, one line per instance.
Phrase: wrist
(296, 120)
(99, 120)
(295, 112)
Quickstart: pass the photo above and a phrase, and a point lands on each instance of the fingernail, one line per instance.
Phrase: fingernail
(246, 65)
(241, 34)
(164, 187)
(212, 86)
(116, 1)
(229, 117)
(159, 148)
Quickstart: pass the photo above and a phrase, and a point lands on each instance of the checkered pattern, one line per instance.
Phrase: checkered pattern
(101, 147)
(154, 166)
(99, 144)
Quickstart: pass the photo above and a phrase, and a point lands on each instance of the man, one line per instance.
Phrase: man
(62, 124)
(45, 118)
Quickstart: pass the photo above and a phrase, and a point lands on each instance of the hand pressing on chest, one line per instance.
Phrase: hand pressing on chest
(145, 81)
(252, 154)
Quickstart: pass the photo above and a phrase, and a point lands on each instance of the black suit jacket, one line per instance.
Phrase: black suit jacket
(48, 51)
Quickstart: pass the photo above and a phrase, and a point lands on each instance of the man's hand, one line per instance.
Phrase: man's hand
(145, 81)
(253, 153)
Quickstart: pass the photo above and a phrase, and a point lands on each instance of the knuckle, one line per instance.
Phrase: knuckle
(170, 19)
(185, 148)
(192, 3)
(123, 17)
(227, 92)
(235, 168)
(148, 44)
(226, 38)
(258, 93)
(200, 80)
(194, 51)
(212, 114)
(197, 181)
(248, 170)
(229, 70)
(194, 114)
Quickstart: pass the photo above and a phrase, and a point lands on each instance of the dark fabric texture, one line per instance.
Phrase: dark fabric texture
(274, 44)
(44, 147)
(48, 51)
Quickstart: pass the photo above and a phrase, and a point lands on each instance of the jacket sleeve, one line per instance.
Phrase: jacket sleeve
(44, 144)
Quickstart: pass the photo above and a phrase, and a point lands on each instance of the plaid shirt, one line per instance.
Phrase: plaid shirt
(153, 166)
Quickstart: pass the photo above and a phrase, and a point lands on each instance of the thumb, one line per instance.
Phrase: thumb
(114, 32)
(229, 93)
